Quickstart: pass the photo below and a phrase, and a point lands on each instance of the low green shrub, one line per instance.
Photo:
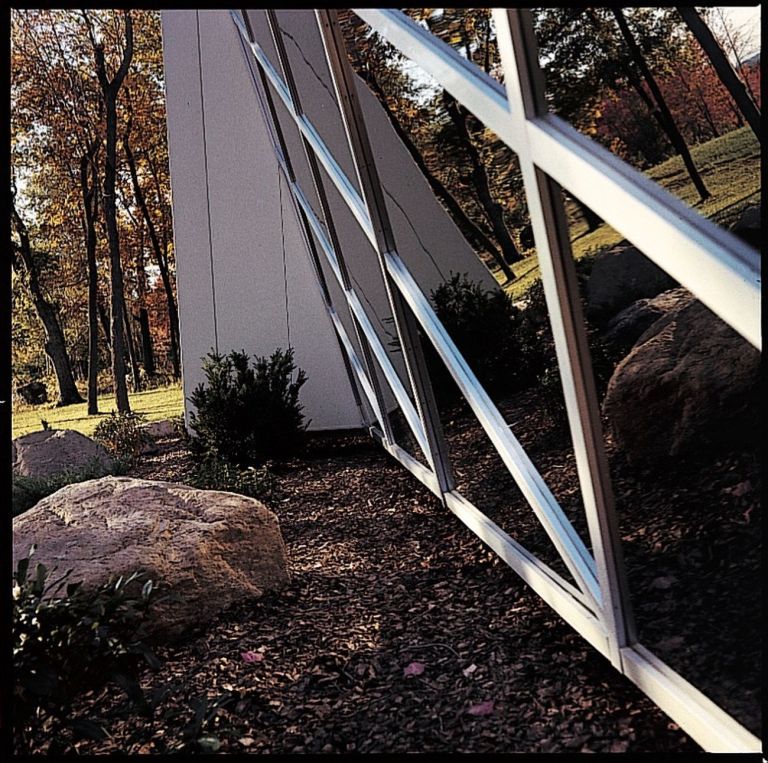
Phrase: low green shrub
(27, 491)
(248, 414)
(214, 473)
(67, 643)
(490, 332)
(123, 436)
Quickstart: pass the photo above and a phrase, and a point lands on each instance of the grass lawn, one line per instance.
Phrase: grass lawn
(730, 167)
(155, 404)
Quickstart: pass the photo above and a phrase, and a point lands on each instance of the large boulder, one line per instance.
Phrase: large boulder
(52, 451)
(689, 384)
(207, 549)
(620, 276)
(624, 329)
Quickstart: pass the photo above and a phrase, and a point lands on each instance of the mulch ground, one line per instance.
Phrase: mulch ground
(401, 632)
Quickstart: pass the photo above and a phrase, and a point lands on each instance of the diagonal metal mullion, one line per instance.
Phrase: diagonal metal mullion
(365, 325)
(343, 341)
(365, 166)
(330, 225)
(525, 88)
(352, 198)
(566, 540)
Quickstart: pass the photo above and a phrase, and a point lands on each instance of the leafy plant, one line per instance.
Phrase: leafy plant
(123, 435)
(64, 645)
(547, 376)
(27, 491)
(246, 414)
(214, 473)
(490, 333)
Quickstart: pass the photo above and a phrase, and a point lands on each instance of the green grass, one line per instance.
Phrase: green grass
(730, 167)
(155, 404)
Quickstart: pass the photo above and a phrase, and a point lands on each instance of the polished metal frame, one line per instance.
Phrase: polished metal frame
(716, 266)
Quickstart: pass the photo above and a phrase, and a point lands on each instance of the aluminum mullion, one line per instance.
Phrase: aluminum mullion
(359, 314)
(720, 269)
(365, 166)
(715, 265)
(287, 171)
(565, 539)
(525, 87)
(329, 221)
(348, 192)
(356, 364)
(697, 715)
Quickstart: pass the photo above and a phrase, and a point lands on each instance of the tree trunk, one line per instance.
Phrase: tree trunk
(131, 346)
(160, 258)
(87, 164)
(55, 346)
(725, 72)
(104, 318)
(481, 184)
(592, 219)
(147, 352)
(665, 116)
(110, 90)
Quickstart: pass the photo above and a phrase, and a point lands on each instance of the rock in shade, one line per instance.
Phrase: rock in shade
(749, 226)
(624, 329)
(52, 451)
(619, 277)
(34, 393)
(689, 385)
(205, 548)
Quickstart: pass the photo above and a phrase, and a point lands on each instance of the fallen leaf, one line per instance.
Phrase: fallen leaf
(740, 489)
(246, 741)
(414, 669)
(484, 708)
(663, 582)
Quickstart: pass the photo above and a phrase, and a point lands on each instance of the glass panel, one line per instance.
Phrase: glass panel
(678, 390)
(473, 175)
(638, 82)
(306, 55)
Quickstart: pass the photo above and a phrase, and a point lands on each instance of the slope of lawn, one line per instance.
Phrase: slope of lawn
(730, 167)
(155, 404)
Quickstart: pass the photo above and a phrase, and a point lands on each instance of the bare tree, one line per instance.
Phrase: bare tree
(736, 86)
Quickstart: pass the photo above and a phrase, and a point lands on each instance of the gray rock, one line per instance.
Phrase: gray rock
(52, 451)
(748, 227)
(689, 384)
(619, 277)
(160, 429)
(624, 329)
(205, 549)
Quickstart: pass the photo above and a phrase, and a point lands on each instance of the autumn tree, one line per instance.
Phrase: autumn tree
(110, 89)
(25, 262)
(54, 141)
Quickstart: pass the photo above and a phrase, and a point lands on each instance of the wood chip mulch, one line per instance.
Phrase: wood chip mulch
(402, 632)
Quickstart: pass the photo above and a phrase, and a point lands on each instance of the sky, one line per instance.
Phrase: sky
(747, 21)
